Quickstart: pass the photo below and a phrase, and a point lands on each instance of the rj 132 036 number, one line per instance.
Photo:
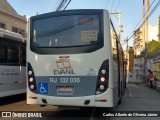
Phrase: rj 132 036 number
(65, 80)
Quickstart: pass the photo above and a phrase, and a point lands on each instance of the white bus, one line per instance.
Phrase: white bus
(12, 63)
(71, 61)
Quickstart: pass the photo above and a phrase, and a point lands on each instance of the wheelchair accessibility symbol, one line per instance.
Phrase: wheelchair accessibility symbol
(42, 88)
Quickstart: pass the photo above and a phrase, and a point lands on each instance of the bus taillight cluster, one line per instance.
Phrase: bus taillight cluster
(31, 79)
(103, 76)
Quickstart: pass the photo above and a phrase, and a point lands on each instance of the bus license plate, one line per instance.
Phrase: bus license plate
(65, 89)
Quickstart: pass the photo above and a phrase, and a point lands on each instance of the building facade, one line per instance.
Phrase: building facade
(113, 39)
(139, 43)
(11, 20)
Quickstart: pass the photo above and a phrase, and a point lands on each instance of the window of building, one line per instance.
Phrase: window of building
(14, 29)
(2, 25)
(22, 32)
(18, 30)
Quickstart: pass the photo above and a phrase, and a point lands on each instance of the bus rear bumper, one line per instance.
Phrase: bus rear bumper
(87, 101)
(105, 99)
(101, 100)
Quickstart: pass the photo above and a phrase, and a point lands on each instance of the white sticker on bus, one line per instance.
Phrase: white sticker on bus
(92, 72)
(88, 36)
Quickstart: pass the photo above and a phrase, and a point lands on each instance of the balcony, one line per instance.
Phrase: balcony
(137, 44)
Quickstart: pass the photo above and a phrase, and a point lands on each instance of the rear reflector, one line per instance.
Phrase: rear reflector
(101, 100)
(33, 97)
(35, 91)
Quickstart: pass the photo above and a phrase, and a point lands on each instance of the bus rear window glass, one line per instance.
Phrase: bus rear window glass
(86, 21)
(64, 31)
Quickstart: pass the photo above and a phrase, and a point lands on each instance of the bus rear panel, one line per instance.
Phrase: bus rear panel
(69, 59)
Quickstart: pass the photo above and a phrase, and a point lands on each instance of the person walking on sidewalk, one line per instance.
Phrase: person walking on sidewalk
(150, 78)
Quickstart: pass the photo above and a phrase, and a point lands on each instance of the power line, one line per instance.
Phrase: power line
(114, 16)
(152, 11)
(56, 5)
(112, 5)
(142, 17)
(67, 5)
(63, 5)
(107, 4)
(113, 20)
(118, 4)
(156, 6)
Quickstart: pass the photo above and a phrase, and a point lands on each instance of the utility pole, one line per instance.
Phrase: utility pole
(126, 41)
(146, 6)
(127, 44)
(119, 23)
(127, 55)
(146, 23)
(143, 27)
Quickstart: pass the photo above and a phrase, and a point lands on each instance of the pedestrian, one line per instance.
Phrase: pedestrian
(150, 78)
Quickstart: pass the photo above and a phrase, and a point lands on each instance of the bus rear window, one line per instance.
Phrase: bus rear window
(66, 31)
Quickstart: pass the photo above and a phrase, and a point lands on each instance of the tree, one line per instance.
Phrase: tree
(153, 46)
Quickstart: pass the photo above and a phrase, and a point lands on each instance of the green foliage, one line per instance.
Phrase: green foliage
(153, 46)
(153, 49)
(143, 54)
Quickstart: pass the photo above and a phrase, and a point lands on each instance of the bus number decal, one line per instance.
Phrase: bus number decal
(65, 80)
(74, 80)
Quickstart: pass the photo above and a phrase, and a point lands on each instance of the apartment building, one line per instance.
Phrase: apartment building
(139, 43)
(11, 20)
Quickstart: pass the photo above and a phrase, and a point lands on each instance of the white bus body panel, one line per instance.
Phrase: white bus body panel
(12, 80)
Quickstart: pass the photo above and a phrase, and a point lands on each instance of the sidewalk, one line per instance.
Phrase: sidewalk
(142, 91)
(136, 79)
(140, 98)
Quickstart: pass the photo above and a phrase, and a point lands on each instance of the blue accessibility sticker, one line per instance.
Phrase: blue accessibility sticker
(42, 88)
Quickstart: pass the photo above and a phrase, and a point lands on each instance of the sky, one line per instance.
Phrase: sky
(131, 11)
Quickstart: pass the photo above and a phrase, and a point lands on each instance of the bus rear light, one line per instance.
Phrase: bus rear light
(31, 79)
(30, 73)
(103, 72)
(101, 87)
(32, 87)
(102, 79)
